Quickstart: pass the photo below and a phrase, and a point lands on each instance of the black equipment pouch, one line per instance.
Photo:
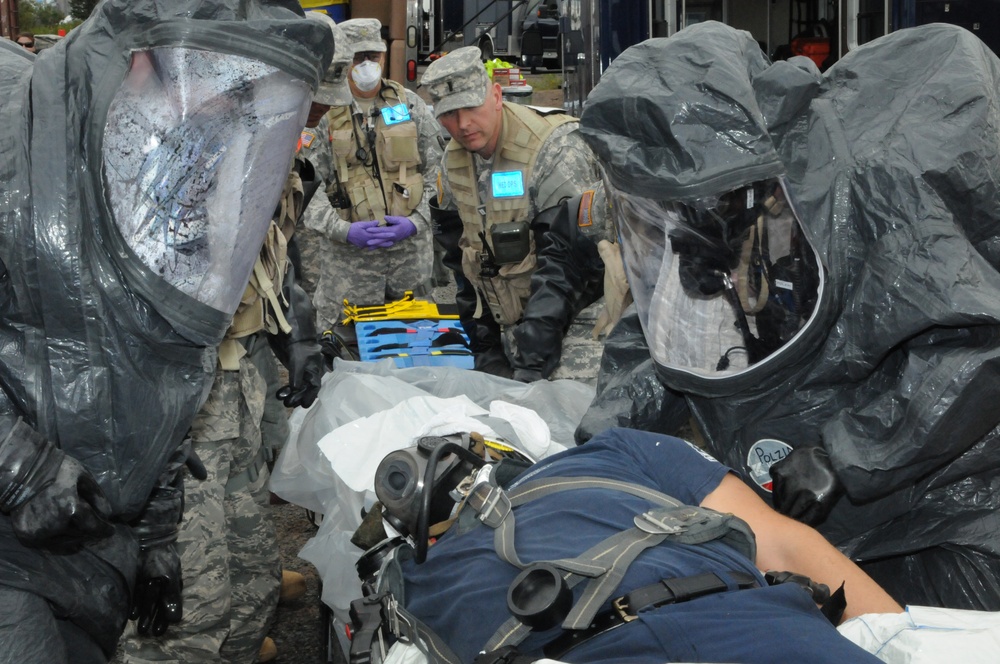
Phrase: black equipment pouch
(511, 242)
(339, 198)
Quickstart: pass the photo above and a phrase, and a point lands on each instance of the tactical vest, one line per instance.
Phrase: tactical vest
(260, 307)
(396, 149)
(521, 138)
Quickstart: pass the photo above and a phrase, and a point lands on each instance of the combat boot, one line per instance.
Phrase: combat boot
(268, 651)
(293, 586)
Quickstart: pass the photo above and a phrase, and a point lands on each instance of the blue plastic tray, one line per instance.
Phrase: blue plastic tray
(411, 343)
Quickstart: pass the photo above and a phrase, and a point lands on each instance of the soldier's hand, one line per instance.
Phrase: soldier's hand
(306, 367)
(396, 229)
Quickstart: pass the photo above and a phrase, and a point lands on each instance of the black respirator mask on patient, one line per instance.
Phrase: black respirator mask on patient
(421, 487)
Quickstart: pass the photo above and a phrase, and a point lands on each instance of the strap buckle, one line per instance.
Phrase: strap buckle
(621, 606)
(490, 503)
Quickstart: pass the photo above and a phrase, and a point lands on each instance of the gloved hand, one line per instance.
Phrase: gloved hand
(52, 499)
(156, 600)
(298, 348)
(527, 375)
(519, 373)
(820, 592)
(396, 229)
(362, 234)
(805, 485)
(306, 367)
(493, 361)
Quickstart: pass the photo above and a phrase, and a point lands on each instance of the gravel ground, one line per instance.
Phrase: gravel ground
(298, 632)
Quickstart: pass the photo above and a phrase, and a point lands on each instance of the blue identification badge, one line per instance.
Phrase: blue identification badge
(395, 114)
(508, 184)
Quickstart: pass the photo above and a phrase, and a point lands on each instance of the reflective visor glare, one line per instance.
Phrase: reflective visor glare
(197, 147)
(721, 284)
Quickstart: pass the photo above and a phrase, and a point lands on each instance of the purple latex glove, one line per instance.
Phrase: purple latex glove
(397, 229)
(359, 234)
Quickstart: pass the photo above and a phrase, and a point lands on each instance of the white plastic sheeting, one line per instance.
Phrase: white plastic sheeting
(364, 411)
(928, 635)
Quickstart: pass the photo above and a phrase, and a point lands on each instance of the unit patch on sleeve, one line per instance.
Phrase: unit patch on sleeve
(583, 217)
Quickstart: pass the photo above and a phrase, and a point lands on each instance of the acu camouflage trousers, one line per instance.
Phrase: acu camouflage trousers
(229, 554)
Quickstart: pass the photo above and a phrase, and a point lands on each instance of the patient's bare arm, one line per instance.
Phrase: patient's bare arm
(787, 545)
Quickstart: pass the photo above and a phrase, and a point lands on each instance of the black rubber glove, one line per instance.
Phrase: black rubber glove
(522, 374)
(156, 601)
(52, 499)
(527, 375)
(492, 360)
(306, 366)
(805, 485)
(299, 348)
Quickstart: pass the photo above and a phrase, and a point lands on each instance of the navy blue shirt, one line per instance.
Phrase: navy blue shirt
(460, 591)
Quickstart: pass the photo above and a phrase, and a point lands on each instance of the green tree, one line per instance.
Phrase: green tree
(37, 17)
(81, 9)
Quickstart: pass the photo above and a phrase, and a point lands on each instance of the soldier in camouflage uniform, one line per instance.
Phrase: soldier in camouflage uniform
(371, 237)
(515, 210)
(229, 554)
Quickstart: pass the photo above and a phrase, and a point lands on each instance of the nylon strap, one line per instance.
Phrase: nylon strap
(266, 288)
(754, 240)
(230, 353)
(605, 563)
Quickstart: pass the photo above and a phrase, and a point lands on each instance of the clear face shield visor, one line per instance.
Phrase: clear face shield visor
(721, 285)
(197, 147)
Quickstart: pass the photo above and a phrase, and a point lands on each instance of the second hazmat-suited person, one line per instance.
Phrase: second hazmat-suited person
(378, 157)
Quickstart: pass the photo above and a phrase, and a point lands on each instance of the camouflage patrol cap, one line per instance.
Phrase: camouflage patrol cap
(457, 80)
(363, 34)
(333, 89)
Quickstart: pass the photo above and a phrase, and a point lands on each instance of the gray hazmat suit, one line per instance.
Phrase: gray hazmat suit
(886, 386)
(141, 160)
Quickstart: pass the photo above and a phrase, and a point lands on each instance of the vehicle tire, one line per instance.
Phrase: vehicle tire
(486, 48)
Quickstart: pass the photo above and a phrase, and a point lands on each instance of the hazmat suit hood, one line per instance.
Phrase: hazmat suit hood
(143, 156)
(727, 284)
(686, 128)
(889, 161)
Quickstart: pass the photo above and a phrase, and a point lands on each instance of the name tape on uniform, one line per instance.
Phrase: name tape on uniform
(508, 184)
(395, 114)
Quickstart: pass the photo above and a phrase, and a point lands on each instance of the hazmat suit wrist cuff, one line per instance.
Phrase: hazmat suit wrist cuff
(153, 535)
(28, 463)
(158, 523)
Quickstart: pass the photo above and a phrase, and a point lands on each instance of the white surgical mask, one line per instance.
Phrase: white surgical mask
(367, 75)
